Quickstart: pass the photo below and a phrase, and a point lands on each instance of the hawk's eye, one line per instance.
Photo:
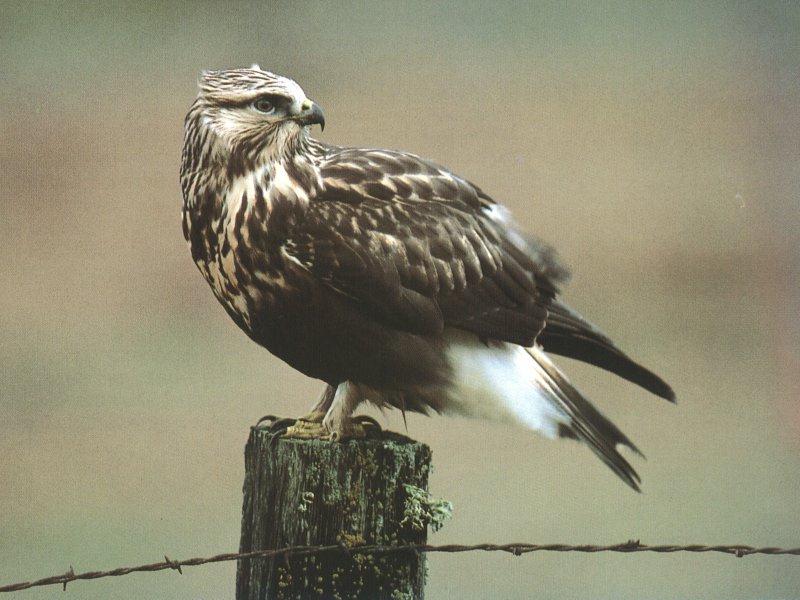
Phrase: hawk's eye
(265, 106)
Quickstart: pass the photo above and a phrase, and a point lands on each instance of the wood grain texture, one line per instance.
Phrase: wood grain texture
(311, 492)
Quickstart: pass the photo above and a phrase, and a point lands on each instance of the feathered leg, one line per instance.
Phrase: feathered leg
(310, 425)
(338, 420)
(332, 417)
(322, 406)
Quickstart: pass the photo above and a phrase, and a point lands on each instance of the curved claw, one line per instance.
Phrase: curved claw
(371, 427)
(281, 424)
(366, 420)
(266, 418)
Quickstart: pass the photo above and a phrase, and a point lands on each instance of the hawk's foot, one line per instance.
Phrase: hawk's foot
(349, 430)
(313, 426)
(308, 427)
(355, 428)
(280, 425)
(273, 424)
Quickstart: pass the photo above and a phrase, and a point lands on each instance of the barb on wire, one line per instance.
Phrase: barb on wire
(516, 549)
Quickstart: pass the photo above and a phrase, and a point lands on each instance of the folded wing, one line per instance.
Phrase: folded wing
(419, 249)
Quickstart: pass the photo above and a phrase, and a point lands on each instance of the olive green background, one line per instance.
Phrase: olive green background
(655, 146)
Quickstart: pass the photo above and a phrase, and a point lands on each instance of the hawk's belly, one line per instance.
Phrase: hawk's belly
(325, 335)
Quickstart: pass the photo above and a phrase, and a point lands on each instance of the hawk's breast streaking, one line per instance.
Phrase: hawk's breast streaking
(381, 273)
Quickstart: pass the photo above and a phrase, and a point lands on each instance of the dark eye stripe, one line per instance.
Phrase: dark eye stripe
(277, 100)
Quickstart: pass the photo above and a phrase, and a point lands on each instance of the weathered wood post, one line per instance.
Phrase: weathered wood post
(311, 492)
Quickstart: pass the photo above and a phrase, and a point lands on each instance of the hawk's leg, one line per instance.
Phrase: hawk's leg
(310, 425)
(323, 404)
(332, 417)
(338, 421)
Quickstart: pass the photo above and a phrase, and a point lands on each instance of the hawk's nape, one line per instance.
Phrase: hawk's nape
(383, 274)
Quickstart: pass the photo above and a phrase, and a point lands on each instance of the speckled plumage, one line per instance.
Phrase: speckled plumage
(370, 266)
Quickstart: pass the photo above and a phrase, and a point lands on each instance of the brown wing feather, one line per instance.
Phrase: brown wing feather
(417, 247)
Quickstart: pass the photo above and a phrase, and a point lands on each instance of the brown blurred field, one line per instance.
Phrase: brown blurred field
(656, 147)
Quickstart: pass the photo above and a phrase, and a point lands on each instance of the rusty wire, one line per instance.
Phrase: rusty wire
(299, 551)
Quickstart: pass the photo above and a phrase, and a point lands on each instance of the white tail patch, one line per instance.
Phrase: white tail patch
(501, 382)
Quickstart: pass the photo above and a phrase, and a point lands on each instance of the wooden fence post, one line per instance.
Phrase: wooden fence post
(311, 492)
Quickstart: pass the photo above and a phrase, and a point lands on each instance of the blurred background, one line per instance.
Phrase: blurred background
(655, 146)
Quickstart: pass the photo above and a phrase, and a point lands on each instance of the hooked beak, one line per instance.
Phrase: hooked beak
(311, 115)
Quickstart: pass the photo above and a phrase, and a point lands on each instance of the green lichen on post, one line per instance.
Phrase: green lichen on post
(423, 510)
(311, 492)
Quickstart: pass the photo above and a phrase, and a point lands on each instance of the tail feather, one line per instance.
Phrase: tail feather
(508, 383)
(585, 422)
(569, 334)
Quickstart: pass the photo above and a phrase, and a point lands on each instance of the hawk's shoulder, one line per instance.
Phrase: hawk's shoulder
(389, 175)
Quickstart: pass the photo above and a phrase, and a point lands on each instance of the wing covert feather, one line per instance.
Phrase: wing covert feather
(421, 249)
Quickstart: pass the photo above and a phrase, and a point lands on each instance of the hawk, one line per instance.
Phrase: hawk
(383, 274)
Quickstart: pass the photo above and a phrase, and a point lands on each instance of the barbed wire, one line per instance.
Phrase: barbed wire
(517, 549)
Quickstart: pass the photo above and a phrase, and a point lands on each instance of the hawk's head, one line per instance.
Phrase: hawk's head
(254, 111)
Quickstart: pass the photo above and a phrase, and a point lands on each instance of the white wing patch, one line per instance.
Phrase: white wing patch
(501, 382)
(502, 216)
